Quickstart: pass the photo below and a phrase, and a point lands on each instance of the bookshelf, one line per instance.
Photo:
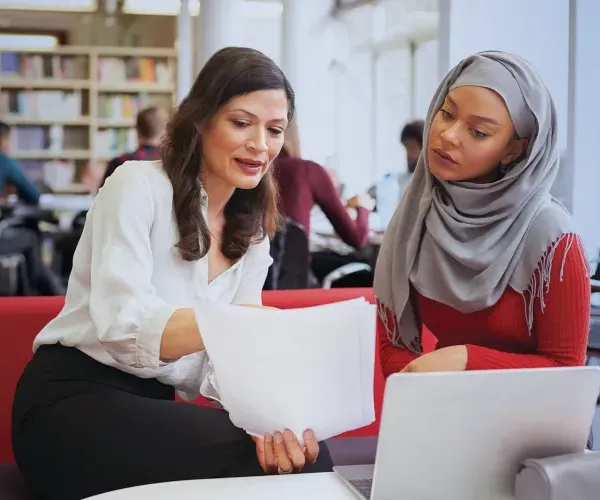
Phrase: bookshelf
(73, 108)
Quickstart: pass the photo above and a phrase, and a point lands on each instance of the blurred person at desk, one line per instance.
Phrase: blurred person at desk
(304, 184)
(479, 252)
(150, 127)
(411, 138)
(23, 238)
(11, 174)
(163, 241)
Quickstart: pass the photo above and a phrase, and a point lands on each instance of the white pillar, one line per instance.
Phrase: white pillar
(306, 56)
(583, 174)
(294, 34)
(295, 38)
(220, 24)
(185, 61)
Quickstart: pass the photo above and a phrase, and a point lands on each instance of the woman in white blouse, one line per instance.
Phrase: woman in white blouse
(94, 410)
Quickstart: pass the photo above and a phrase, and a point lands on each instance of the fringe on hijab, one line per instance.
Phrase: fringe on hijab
(538, 288)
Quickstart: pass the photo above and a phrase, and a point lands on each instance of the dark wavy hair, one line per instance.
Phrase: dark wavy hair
(413, 130)
(250, 214)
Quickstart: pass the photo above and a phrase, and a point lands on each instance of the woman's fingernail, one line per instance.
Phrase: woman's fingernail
(278, 438)
(288, 435)
(268, 438)
(308, 434)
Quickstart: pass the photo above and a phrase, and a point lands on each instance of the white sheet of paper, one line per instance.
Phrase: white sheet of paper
(294, 369)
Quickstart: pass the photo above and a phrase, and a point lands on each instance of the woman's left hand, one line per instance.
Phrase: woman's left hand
(281, 452)
(447, 359)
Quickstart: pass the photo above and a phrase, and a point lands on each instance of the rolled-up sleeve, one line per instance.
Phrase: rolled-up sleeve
(128, 314)
(256, 266)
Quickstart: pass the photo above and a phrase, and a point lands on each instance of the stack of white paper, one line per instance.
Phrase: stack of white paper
(294, 369)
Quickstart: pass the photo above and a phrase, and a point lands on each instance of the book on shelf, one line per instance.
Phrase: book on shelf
(39, 66)
(29, 139)
(54, 140)
(54, 174)
(113, 142)
(133, 69)
(10, 64)
(42, 104)
(121, 106)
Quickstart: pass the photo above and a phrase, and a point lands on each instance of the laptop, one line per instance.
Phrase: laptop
(464, 435)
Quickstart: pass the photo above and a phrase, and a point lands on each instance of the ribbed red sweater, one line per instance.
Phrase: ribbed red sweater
(498, 337)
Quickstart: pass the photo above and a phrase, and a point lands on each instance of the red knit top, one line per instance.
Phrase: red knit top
(498, 337)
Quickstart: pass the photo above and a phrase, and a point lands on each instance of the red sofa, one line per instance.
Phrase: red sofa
(22, 318)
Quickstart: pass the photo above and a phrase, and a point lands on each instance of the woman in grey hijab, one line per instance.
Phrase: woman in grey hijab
(478, 252)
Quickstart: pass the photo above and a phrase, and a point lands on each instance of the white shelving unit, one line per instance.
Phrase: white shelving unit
(101, 83)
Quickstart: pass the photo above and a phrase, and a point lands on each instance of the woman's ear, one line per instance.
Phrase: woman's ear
(516, 150)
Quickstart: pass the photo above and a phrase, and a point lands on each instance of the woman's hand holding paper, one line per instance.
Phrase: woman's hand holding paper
(281, 452)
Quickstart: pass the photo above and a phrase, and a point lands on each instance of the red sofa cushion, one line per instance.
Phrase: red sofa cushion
(20, 321)
(22, 318)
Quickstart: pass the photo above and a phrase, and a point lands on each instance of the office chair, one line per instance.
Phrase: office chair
(353, 275)
(290, 253)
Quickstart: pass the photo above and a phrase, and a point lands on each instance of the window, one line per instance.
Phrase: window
(28, 41)
(171, 8)
(51, 5)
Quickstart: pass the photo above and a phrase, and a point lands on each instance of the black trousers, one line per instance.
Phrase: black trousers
(81, 428)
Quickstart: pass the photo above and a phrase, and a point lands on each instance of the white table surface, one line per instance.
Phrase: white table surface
(75, 202)
(326, 486)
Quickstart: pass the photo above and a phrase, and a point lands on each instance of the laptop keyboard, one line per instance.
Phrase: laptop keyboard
(363, 485)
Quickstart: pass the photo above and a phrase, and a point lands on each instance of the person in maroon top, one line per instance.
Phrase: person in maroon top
(150, 127)
(304, 184)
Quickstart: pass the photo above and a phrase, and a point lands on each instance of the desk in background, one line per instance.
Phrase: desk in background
(70, 202)
(323, 237)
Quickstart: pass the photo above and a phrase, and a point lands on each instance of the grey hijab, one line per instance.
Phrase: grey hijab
(462, 243)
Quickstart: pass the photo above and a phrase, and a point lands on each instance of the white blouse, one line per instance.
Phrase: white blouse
(128, 279)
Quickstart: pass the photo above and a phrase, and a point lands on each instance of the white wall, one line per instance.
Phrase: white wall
(560, 38)
(537, 30)
(310, 66)
(585, 170)
(331, 72)
(426, 76)
(393, 108)
(264, 35)
(354, 96)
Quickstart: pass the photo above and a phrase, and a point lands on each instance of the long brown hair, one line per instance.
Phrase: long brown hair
(291, 144)
(250, 214)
